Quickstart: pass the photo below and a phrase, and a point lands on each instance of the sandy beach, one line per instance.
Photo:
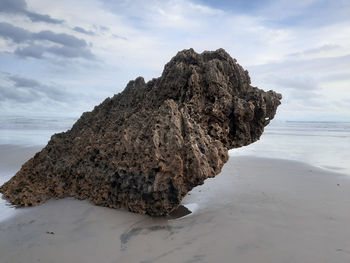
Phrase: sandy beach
(256, 210)
(219, 129)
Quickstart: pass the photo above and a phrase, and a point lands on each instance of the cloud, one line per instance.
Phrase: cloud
(317, 50)
(16, 34)
(300, 83)
(20, 7)
(62, 38)
(338, 76)
(119, 37)
(301, 88)
(61, 44)
(13, 6)
(286, 45)
(19, 89)
(35, 17)
(103, 28)
(307, 14)
(312, 87)
(33, 51)
(37, 51)
(70, 52)
(24, 82)
(10, 94)
(176, 15)
(83, 31)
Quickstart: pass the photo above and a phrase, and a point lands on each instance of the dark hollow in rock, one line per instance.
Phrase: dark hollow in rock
(145, 148)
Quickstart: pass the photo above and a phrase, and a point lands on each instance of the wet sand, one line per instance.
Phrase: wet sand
(12, 157)
(256, 210)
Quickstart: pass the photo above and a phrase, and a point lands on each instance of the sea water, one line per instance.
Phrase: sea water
(31, 131)
(322, 144)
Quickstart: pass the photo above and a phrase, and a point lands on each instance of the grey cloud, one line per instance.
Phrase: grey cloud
(16, 34)
(302, 81)
(70, 52)
(305, 95)
(26, 90)
(63, 39)
(23, 82)
(120, 37)
(38, 51)
(104, 28)
(346, 102)
(315, 50)
(295, 83)
(35, 17)
(69, 46)
(294, 88)
(13, 6)
(20, 7)
(100, 28)
(344, 76)
(83, 31)
(11, 94)
(33, 51)
(323, 65)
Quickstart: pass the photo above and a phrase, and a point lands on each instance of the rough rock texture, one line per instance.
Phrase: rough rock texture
(146, 147)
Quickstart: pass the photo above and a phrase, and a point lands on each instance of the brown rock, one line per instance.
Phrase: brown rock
(147, 147)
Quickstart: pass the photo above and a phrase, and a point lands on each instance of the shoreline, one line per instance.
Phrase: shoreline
(13, 156)
(255, 210)
(334, 170)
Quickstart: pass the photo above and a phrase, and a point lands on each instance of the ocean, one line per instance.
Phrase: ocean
(322, 144)
(31, 131)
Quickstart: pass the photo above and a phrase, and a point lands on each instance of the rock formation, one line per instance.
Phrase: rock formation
(145, 148)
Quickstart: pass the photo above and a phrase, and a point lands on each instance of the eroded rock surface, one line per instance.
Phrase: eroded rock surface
(149, 145)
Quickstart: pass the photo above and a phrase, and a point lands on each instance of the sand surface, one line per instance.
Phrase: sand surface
(12, 157)
(256, 210)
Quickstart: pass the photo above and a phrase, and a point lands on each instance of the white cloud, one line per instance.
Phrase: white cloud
(308, 61)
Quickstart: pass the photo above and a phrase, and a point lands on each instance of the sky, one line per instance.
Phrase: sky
(61, 58)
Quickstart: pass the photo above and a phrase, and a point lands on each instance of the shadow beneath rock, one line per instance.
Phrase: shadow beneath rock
(179, 212)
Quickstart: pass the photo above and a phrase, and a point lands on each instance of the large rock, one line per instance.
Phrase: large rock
(145, 148)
